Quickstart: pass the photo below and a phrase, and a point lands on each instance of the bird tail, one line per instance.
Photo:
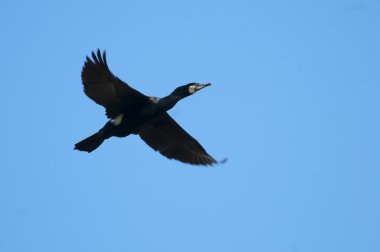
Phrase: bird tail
(90, 143)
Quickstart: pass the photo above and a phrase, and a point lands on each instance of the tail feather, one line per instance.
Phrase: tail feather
(90, 143)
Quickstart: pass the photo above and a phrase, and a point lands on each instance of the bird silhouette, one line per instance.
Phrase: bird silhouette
(131, 112)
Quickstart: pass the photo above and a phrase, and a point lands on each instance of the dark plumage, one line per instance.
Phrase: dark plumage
(131, 112)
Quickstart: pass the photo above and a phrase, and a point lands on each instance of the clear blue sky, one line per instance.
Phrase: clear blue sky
(294, 105)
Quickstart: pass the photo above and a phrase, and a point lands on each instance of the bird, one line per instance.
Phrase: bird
(131, 112)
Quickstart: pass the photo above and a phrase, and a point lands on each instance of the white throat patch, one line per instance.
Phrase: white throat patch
(117, 120)
(154, 99)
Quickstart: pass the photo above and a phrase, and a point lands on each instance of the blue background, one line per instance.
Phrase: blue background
(294, 106)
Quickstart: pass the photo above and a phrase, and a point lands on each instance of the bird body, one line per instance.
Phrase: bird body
(131, 112)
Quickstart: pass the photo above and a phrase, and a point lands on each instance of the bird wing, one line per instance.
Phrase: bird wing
(166, 136)
(108, 90)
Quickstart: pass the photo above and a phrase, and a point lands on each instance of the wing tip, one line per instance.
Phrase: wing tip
(97, 57)
(204, 161)
(212, 162)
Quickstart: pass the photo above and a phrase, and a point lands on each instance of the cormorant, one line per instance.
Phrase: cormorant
(131, 112)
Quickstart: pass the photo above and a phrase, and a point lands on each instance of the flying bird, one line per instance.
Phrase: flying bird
(131, 112)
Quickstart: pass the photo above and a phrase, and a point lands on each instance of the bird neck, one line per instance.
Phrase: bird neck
(169, 101)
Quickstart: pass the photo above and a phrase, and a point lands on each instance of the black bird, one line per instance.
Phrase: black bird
(131, 112)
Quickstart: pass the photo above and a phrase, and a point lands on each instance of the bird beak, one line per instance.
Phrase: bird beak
(200, 86)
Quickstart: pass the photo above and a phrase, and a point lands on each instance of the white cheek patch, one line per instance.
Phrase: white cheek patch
(192, 89)
(117, 120)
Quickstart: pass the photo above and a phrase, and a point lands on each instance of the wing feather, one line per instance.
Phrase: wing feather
(103, 87)
(167, 137)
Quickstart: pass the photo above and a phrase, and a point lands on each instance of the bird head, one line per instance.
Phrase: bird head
(189, 89)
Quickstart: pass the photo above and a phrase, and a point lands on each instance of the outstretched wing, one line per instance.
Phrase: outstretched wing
(107, 90)
(167, 137)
